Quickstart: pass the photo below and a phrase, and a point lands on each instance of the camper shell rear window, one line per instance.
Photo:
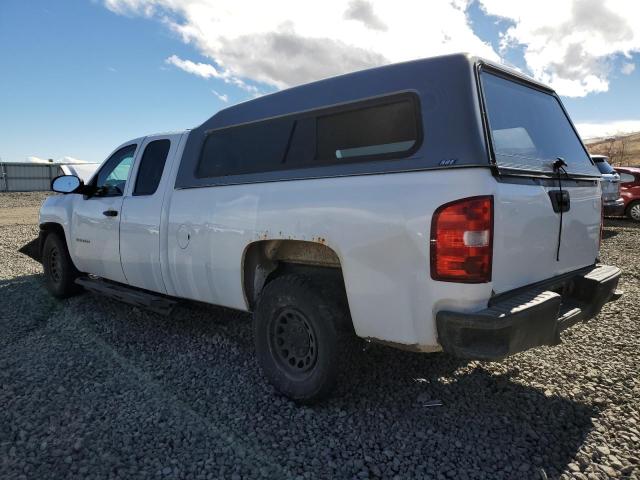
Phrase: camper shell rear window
(530, 129)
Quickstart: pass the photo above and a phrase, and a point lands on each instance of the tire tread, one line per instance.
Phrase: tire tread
(315, 297)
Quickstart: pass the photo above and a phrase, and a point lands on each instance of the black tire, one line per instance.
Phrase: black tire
(633, 211)
(297, 337)
(59, 272)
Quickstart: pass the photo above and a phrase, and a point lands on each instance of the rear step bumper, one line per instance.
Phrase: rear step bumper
(528, 317)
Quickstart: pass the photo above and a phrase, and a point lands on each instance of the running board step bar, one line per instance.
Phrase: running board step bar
(133, 296)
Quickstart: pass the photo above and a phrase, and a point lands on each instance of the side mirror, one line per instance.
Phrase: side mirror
(66, 184)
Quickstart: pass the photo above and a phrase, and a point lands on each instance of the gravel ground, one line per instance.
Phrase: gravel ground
(90, 388)
(23, 199)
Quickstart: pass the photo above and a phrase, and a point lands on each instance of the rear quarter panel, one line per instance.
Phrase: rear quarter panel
(378, 225)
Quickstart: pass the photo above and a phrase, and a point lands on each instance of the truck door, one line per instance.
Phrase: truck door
(95, 224)
(142, 210)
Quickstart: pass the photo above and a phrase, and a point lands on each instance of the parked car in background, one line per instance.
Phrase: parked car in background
(612, 202)
(630, 191)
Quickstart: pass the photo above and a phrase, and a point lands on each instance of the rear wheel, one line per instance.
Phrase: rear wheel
(59, 272)
(633, 211)
(297, 337)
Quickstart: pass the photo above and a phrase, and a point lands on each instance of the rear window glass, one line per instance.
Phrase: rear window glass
(530, 130)
(603, 165)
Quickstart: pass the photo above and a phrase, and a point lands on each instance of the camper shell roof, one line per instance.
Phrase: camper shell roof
(453, 135)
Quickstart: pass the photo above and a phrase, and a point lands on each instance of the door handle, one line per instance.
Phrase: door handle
(110, 213)
(560, 200)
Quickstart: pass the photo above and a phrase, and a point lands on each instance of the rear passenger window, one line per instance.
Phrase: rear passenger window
(365, 132)
(151, 167)
(374, 129)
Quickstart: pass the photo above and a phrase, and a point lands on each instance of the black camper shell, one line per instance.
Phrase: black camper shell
(427, 114)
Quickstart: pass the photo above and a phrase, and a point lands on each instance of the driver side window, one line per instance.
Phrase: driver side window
(112, 177)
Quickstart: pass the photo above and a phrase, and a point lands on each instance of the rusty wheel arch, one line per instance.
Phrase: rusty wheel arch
(264, 260)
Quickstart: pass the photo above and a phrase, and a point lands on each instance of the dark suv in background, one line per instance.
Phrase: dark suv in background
(630, 191)
(612, 202)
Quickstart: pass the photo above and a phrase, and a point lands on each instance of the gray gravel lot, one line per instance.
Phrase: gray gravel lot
(90, 388)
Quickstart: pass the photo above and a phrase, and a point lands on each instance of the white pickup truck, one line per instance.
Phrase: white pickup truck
(444, 204)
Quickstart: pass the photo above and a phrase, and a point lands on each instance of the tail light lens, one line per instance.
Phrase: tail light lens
(462, 241)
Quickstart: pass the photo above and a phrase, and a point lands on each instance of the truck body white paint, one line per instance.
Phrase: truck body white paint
(378, 226)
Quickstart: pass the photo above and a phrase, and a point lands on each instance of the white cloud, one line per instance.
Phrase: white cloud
(570, 44)
(362, 11)
(573, 45)
(607, 129)
(206, 70)
(223, 97)
(628, 68)
(298, 41)
(203, 70)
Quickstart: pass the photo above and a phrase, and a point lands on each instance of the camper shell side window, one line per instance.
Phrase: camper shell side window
(383, 128)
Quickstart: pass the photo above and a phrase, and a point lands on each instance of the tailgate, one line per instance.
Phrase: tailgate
(539, 160)
(526, 233)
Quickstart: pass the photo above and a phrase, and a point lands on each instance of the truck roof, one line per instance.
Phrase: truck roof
(170, 132)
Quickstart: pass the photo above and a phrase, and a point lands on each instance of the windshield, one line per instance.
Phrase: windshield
(603, 166)
(530, 130)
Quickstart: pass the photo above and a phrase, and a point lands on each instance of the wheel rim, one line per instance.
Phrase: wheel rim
(293, 342)
(55, 265)
(635, 211)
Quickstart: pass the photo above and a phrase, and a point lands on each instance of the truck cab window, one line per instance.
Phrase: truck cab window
(151, 167)
(112, 177)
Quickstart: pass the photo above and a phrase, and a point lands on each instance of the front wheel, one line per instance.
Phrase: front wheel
(633, 211)
(297, 337)
(59, 272)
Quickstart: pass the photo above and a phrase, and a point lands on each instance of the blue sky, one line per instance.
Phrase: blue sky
(80, 77)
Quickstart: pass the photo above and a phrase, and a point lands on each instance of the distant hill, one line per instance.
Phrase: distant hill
(621, 149)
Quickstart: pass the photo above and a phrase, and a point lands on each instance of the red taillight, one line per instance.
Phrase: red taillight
(462, 241)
